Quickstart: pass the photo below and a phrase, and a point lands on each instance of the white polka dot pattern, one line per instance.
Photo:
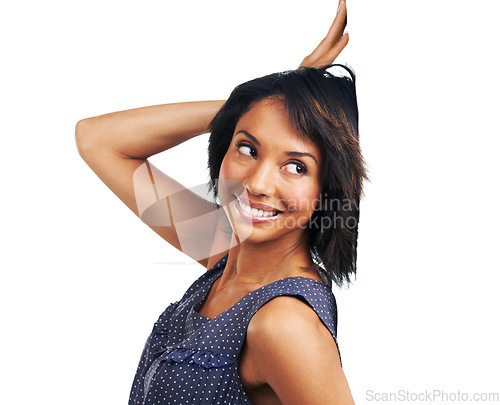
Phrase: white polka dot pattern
(191, 359)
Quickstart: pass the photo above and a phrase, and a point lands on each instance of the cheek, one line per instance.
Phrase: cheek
(230, 169)
(230, 175)
(227, 171)
(303, 198)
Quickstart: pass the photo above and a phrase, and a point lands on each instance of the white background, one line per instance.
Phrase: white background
(83, 279)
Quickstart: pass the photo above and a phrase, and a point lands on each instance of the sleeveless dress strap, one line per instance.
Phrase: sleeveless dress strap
(312, 292)
(226, 332)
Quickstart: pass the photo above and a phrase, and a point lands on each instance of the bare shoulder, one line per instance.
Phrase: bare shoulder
(283, 309)
(295, 354)
(285, 316)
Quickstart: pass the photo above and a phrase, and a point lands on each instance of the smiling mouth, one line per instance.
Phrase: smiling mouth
(260, 214)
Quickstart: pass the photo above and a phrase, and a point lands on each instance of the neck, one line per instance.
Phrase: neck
(253, 265)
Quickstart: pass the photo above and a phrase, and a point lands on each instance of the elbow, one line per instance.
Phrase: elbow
(83, 135)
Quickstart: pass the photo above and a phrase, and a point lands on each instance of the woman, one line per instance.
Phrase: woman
(260, 325)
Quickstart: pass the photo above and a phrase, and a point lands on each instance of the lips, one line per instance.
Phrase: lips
(256, 212)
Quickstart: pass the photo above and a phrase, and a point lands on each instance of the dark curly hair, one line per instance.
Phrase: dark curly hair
(323, 108)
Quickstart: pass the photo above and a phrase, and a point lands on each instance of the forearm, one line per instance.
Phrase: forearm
(146, 131)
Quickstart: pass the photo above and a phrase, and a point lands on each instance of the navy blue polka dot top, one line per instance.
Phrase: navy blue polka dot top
(191, 359)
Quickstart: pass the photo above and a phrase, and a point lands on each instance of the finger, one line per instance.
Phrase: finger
(334, 33)
(335, 51)
(340, 4)
(329, 57)
(339, 23)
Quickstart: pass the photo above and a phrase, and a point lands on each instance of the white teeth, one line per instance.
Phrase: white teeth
(257, 213)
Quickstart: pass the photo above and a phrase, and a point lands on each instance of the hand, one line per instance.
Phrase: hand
(330, 47)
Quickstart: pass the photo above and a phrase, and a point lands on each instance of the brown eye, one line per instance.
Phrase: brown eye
(246, 149)
(295, 168)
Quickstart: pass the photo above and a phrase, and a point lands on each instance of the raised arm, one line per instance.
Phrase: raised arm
(143, 132)
(116, 147)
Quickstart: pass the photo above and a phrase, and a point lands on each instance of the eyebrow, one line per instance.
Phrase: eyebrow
(301, 154)
(253, 138)
(294, 154)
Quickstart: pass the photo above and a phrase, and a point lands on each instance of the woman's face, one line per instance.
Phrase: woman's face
(270, 176)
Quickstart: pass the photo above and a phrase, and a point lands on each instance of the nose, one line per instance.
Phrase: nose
(261, 181)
